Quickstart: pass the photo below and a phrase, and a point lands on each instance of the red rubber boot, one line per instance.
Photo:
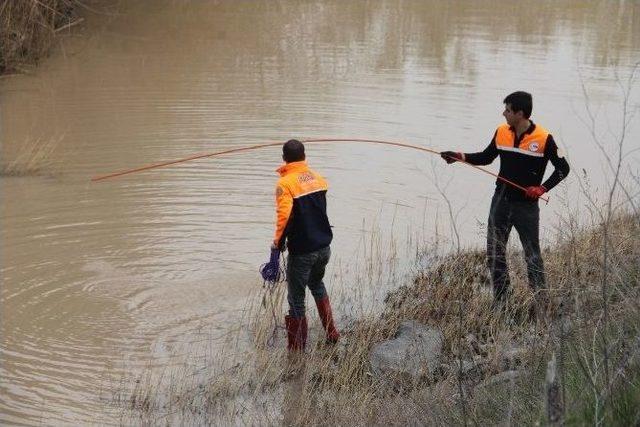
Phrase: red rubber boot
(326, 316)
(296, 333)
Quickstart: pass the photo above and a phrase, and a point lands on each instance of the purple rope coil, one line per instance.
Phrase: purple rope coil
(270, 271)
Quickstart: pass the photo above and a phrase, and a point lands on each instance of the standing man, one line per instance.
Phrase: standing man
(524, 149)
(301, 210)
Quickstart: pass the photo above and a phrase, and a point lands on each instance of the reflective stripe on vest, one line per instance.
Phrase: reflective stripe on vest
(532, 144)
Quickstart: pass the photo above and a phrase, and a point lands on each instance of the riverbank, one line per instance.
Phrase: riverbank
(30, 28)
(29, 31)
(580, 364)
(102, 280)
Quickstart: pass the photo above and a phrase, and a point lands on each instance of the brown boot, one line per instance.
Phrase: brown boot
(324, 310)
(296, 333)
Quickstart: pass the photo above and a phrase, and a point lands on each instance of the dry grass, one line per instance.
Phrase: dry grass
(335, 385)
(28, 29)
(32, 157)
(590, 331)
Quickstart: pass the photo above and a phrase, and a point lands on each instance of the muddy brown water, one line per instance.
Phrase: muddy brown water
(104, 278)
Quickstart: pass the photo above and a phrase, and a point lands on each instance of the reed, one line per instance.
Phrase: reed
(32, 157)
(28, 29)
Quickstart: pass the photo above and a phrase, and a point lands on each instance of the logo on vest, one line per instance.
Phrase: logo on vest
(305, 177)
(533, 146)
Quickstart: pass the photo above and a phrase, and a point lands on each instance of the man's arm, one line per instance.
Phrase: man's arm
(559, 162)
(284, 205)
(484, 157)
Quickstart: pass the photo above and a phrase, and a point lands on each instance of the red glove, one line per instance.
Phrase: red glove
(535, 191)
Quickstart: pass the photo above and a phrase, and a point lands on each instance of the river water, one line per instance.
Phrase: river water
(104, 278)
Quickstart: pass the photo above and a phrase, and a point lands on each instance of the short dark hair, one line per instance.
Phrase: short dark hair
(520, 101)
(293, 151)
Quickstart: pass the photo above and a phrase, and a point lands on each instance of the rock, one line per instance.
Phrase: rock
(413, 354)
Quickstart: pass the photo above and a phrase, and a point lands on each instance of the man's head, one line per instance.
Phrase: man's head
(293, 151)
(517, 107)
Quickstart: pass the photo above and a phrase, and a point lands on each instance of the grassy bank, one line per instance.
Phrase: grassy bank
(28, 29)
(591, 331)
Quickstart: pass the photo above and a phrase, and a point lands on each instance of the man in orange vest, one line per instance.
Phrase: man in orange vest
(301, 210)
(524, 148)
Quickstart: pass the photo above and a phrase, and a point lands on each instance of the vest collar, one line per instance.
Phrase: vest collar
(529, 130)
(288, 168)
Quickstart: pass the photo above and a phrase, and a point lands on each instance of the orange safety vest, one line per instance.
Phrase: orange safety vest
(301, 209)
(532, 144)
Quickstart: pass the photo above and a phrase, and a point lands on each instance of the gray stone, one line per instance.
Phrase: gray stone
(413, 354)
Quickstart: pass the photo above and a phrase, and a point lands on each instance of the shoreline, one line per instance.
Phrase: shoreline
(489, 368)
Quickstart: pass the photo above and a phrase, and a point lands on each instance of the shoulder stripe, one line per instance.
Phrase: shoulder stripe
(310, 192)
(520, 150)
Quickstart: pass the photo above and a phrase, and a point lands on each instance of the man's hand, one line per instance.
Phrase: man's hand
(535, 191)
(274, 246)
(451, 156)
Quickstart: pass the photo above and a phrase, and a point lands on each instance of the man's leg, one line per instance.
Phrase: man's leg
(498, 229)
(316, 285)
(526, 222)
(319, 292)
(298, 271)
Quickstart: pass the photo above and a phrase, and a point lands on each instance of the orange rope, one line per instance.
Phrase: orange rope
(306, 141)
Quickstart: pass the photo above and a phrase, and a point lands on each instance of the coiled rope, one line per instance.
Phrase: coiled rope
(273, 273)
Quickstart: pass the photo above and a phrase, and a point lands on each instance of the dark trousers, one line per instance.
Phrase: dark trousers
(525, 217)
(306, 270)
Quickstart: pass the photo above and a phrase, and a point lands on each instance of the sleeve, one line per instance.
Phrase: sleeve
(284, 205)
(483, 157)
(560, 164)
